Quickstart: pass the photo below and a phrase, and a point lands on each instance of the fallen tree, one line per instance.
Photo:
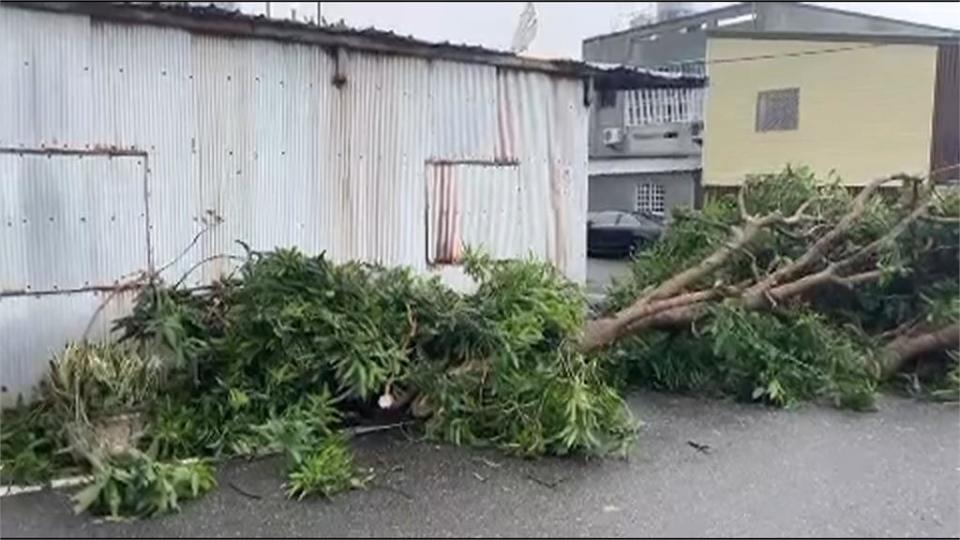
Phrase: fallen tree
(790, 244)
(831, 257)
(794, 289)
(812, 241)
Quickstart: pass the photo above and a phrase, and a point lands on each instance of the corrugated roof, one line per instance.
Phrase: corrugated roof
(621, 76)
(210, 19)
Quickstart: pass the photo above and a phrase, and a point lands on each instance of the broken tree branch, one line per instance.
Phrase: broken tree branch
(891, 235)
(820, 248)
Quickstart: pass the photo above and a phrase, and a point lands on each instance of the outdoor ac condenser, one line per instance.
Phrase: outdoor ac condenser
(612, 136)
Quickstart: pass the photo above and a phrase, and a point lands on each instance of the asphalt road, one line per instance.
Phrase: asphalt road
(602, 272)
(809, 472)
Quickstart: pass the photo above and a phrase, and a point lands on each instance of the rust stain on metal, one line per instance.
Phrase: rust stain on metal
(482, 162)
(447, 249)
(443, 187)
(506, 130)
(97, 150)
(10, 293)
(455, 243)
(559, 177)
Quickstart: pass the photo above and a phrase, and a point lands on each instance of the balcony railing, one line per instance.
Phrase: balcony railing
(696, 68)
(651, 106)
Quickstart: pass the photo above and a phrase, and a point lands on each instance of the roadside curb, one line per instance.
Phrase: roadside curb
(58, 483)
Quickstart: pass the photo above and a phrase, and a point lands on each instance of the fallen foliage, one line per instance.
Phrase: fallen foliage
(135, 485)
(795, 290)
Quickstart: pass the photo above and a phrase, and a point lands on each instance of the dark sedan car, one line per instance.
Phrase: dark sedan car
(617, 234)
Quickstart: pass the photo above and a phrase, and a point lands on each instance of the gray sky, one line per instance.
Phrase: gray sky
(562, 26)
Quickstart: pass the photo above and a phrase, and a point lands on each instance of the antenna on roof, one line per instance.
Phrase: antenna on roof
(526, 29)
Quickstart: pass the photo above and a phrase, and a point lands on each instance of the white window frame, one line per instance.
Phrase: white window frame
(650, 197)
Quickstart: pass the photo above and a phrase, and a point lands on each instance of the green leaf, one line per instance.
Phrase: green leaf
(85, 498)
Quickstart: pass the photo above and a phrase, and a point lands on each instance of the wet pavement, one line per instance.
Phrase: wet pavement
(602, 272)
(750, 471)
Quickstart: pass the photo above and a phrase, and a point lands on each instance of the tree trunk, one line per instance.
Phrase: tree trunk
(902, 349)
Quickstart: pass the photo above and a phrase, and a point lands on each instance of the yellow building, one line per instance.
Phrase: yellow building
(864, 107)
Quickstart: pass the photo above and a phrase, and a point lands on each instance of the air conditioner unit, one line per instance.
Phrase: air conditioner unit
(612, 136)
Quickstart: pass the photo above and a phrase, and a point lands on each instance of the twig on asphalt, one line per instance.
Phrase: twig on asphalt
(702, 448)
(488, 463)
(244, 492)
(392, 489)
(544, 483)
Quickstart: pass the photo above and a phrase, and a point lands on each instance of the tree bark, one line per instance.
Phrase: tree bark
(603, 331)
(902, 349)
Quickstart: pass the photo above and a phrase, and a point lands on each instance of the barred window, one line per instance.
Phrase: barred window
(650, 198)
(777, 110)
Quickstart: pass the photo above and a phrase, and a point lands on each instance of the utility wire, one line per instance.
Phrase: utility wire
(808, 52)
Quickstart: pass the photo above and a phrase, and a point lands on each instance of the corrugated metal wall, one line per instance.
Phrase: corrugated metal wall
(462, 201)
(255, 132)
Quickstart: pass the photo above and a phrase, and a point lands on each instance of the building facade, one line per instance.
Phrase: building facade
(664, 132)
(828, 102)
(680, 43)
(644, 145)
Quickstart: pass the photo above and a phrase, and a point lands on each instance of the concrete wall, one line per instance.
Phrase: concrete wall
(600, 118)
(684, 39)
(618, 192)
(663, 140)
(790, 17)
(865, 112)
(675, 40)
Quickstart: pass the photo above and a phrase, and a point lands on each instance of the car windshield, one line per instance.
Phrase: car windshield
(615, 218)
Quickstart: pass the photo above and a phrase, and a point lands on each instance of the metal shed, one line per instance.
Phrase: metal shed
(126, 127)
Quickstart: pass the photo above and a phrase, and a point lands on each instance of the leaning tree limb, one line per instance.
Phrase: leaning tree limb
(603, 331)
(821, 247)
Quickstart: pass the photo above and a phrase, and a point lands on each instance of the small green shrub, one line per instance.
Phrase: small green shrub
(325, 470)
(91, 380)
(175, 429)
(31, 440)
(300, 428)
(138, 486)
